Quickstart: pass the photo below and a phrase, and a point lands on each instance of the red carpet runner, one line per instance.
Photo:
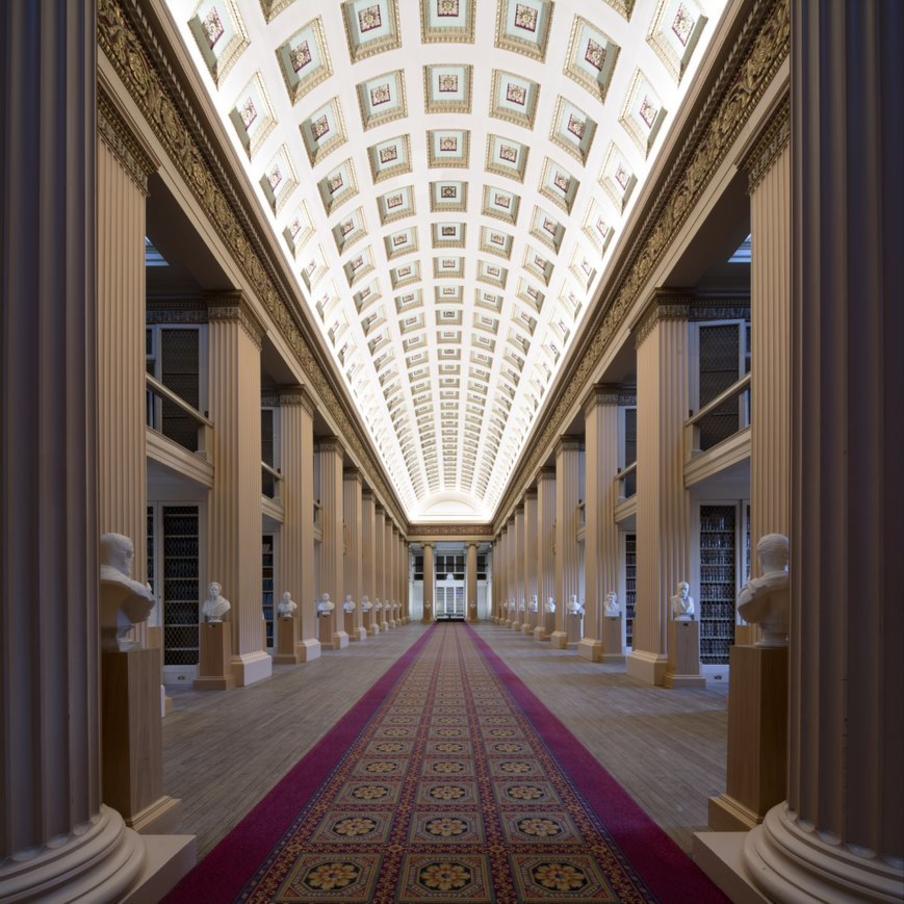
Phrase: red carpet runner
(448, 781)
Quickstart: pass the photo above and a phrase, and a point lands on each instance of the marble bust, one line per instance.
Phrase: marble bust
(683, 603)
(613, 607)
(366, 604)
(215, 607)
(349, 605)
(287, 606)
(534, 603)
(764, 601)
(325, 605)
(550, 606)
(124, 602)
(574, 607)
(377, 605)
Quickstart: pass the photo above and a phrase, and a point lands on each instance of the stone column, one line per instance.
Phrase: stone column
(472, 583)
(499, 567)
(546, 546)
(379, 560)
(234, 527)
(529, 623)
(509, 549)
(406, 578)
(353, 504)
(123, 165)
(296, 562)
(429, 580)
(329, 451)
(663, 506)
(568, 553)
(368, 560)
(387, 573)
(601, 567)
(518, 558)
(56, 837)
(840, 835)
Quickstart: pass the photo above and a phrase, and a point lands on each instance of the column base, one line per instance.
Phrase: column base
(249, 668)
(214, 683)
(790, 863)
(384, 626)
(721, 856)
(672, 680)
(540, 633)
(339, 641)
(616, 658)
(647, 667)
(559, 640)
(358, 634)
(515, 626)
(729, 815)
(169, 858)
(527, 629)
(590, 649)
(308, 650)
(159, 818)
(100, 863)
(287, 658)
(373, 630)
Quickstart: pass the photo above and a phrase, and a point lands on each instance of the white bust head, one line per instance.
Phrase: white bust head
(215, 606)
(366, 604)
(613, 608)
(683, 603)
(774, 553)
(124, 602)
(534, 603)
(574, 607)
(550, 605)
(349, 604)
(287, 606)
(325, 605)
(765, 600)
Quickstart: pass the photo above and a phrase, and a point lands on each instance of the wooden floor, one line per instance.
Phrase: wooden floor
(224, 750)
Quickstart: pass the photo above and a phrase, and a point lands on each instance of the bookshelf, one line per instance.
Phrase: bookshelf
(718, 582)
(630, 586)
(267, 579)
(181, 584)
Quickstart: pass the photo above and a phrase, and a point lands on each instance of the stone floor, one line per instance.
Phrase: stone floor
(224, 750)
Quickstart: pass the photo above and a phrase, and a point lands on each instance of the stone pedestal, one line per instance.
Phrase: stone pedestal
(573, 629)
(286, 652)
(757, 738)
(546, 626)
(131, 744)
(214, 671)
(684, 655)
(613, 638)
(370, 624)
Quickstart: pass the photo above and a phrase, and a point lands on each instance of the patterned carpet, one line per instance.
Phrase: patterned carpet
(448, 781)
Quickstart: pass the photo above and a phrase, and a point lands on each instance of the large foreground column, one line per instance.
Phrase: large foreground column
(601, 534)
(568, 552)
(840, 834)
(529, 622)
(518, 556)
(471, 570)
(663, 507)
(546, 551)
(368, 561)
(429, 581)
(352, 504)
(56, 838)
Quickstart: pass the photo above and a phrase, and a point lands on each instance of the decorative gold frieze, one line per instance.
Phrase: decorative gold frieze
(118, 136)
(769, 145)
(127, 38)
(234, 306)
(761, 47)
(296, 395)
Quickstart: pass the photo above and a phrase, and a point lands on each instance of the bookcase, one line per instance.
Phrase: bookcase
(718, 582)
(181, 584)
(630, 586)
(267, 583)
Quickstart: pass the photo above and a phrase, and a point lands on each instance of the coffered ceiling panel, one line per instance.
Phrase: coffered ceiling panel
(449, 180)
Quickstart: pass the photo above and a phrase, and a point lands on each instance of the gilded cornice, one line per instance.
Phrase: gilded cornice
(451, 530)
(759, 50)
(769, 145)
(127, 38)
(122, 142)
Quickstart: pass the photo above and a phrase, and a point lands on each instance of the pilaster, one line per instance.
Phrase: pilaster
(663, 507)
(568, 554)
(601, 567)
(429, 580)
(386, 611)
(518, 557)
(329, 451)
(352, 506)
(472, 583)
(529, 622)
(379, 559)
(368, 561)
(234, 530)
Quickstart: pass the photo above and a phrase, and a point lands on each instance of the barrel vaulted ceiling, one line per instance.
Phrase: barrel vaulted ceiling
(448, 180)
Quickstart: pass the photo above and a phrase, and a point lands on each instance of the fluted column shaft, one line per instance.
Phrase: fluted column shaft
(56, 838)
(429, 580)
(601, 567)
(841, 832)
(546, 546)
(379, 554)
(329, 452)
(511, 587)
(518, 560)
(568, 553)
(472, 582)
(296, 559)
(529, 621)
(368, 561)
(352, 504)
(234, 532)
(663, 506)
(387, 572)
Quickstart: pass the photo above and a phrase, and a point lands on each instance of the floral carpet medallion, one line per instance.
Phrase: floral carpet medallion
(449, 781)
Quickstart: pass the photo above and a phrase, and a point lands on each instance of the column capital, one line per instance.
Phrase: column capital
(530, 493)
(367, 492)
(665, 304)
(233, 305)
(354, 474)
(772, 139)
(547, 472)
(601, 394)
(296, 395)
(569, 444)
(136, 158)
(329, 444)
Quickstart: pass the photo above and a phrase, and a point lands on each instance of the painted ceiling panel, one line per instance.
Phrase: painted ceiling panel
(448, 180)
